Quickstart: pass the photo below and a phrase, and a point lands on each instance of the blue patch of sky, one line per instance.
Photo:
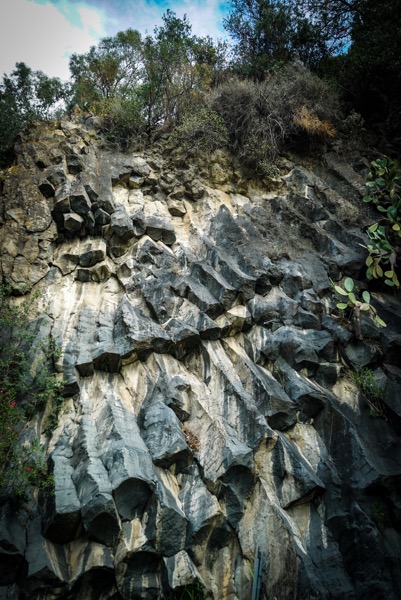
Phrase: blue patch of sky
(205, 16)
(45, 33)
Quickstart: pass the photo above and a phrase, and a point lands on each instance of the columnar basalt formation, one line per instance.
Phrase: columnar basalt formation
(208, 411)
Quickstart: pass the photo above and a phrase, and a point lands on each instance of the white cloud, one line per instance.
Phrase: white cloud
(44, 34)
(205, 17)
(43, 38)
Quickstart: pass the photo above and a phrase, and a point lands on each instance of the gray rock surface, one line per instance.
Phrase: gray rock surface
(209, 412)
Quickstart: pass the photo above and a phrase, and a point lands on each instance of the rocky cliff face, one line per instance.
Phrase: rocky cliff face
(209, 414)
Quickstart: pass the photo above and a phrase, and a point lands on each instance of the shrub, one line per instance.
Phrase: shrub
(311, 124)
(382, 259)
(383, 191)
(263, 117)
(122, 120)
(202, 131)
(24, 390)
(352, 302)
(372, 390)
(192, 591)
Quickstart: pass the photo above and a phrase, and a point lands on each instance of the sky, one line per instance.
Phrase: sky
(44, 33)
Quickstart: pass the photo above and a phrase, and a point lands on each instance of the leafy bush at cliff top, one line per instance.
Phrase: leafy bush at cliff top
(201, 131)
(261, 117)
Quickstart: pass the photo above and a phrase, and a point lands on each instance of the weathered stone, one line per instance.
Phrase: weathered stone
(47, 189)
(124, 168)
(299, 482)
(199, 295)
(12, 546)
(235, 320)
(101, 216)
(184, 338)
(196, 189)
(79, 200)
(302, 349)
(166, 526)
(122, 225)
(72, 223)
(180, 571)
(135, 182)
(200, 506)
(160, 229)
(98, 274)
(327, 374)
(92, 253)
(55, 175)
(136, 334)
(191, 444)
(306, 395)
(61, 521)
(48, 569)
(138, 221)
(275, 307)
(359, 354)
(215, 283)
(176, 207)
(163, 436)
(74, 164)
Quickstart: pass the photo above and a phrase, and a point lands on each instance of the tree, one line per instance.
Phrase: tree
(367, 33)
(268, 33)
(151, 78)
(171, 65)
(374, 60)
(26, 95)
(113, 67)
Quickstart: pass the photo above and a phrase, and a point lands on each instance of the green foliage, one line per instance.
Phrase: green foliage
(178, 68)
(26, 387)
(383, 188)
(122, 119)
(383, 191)
(372, 390)
(373, 71)
(111, 68)
(202, 131)
(353, 125)
(26, 95)
(271, 33)
(262, 116)
(380, 514)
(141, 84)
(356, 43)
(192, 591)
(381, 252)
(366, 34)
(351, 299)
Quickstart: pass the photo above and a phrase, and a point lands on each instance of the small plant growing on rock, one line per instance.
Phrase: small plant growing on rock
(22, 394)
(381, 252)
(380, 515)
(372, 390)
(192, 591)
(22, 464)
(383, 191)
(352, 301)
(191, 439)
(202, 131)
